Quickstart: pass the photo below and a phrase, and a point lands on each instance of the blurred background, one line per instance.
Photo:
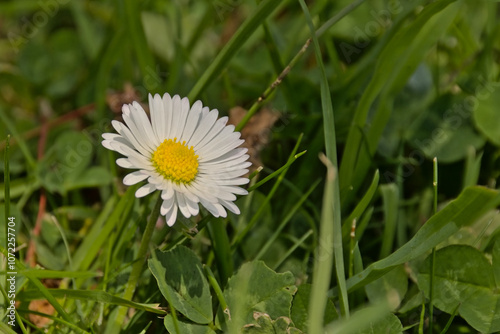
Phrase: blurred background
(409, 81)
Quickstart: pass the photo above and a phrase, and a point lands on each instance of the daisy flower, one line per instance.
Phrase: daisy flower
(183, 151)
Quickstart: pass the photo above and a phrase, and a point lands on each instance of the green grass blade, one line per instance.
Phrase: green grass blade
(324, 257)
(140, 44)
(133, 279)
(57, 320)
(99, 233)
(239, 38)
(277, 172)
(19, 139)
(41, 289)
(472, 167)
(92, 295)
(472, 203)
(361, 206)
(433, 255)
(395, 64)
(293, 248)
(222, 249)
(285, 221)
(390, 196)
(331, 155)
(6, 329)
(85, 28)
(45, 273)
(240, 236)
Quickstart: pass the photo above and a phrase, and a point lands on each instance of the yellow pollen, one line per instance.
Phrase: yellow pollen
(175, 161)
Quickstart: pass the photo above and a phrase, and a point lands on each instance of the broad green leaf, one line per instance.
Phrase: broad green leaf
(390, 288)
(36, 62)
(93, 177)
(374, 319)
(67, 161)
(186, 328)
(447, 132)
(486, 111)
(180, 277)
(388, 325)
(265, 325)
(472, 203)
(256, 288)
(464, 277)
(300, 307)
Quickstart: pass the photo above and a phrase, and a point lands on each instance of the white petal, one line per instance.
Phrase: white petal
(156, 112)
(183, 115)
(216, 129)
(166, 206)
(167, 112)
(234, 190)
(201, 191)
(128, 135)
(188, 193)
(134, 177)
(136, 129)
(225, 135)
(210, 206)
(214, 169)
(145, 190)
(192, 206)
(222, 150)
(181, 201)
(110, 136)
(125, 163)
(176, 115)
(231, 206)
(233, 182)
(227, 161)
(107, 144)
(128, 152)
(167, 193)
(140, 117)
(226, 175)
(220, 209)
(204, 127)
(192, 121)
(171, 216)
(229, 156)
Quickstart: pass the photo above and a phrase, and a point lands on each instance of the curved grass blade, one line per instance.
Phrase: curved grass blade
(96, 296)
(470, 205)
(331, 158)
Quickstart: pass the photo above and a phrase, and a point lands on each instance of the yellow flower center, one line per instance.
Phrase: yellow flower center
(175, 161)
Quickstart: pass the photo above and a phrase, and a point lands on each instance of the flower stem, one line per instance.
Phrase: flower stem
(138, 265)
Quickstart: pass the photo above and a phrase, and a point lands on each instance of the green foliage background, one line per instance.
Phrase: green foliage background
(372, 237)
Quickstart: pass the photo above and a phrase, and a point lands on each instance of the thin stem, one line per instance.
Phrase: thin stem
(448, 324)
(351, 247)
(138, 265)
(433, 255)
(6, 176)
